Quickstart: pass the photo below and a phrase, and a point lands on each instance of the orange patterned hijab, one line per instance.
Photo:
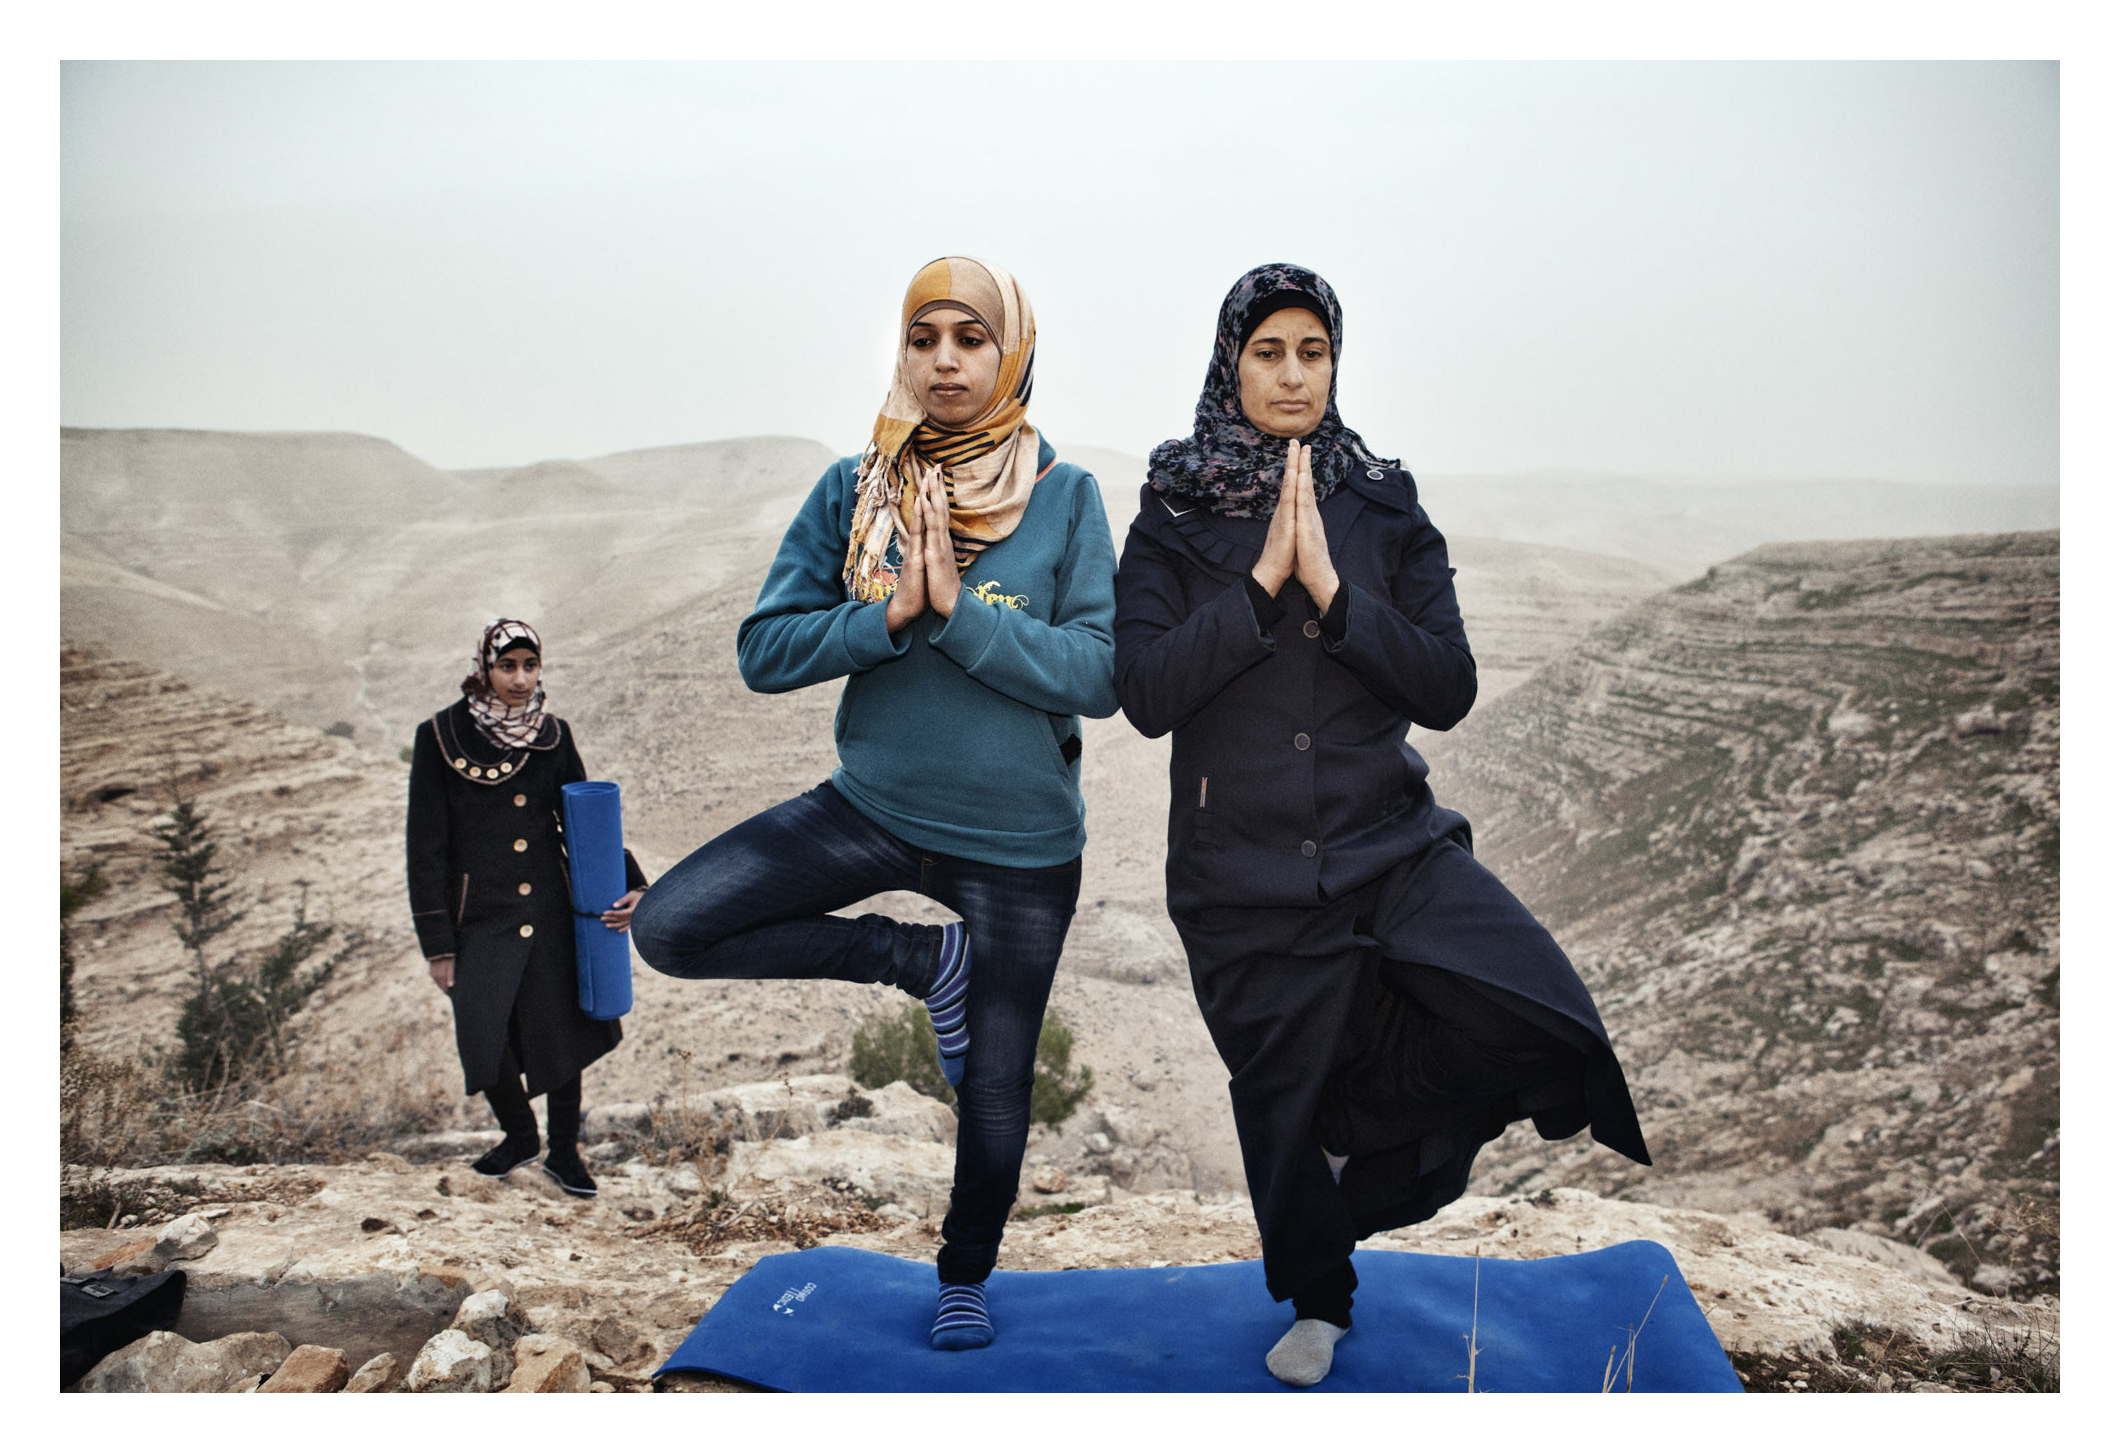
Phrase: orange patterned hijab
(988, 466)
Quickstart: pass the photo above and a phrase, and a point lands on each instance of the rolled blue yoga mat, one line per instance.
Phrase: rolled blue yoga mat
(596, 866)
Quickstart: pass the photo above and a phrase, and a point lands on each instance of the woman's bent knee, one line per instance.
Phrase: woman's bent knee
(657, 925)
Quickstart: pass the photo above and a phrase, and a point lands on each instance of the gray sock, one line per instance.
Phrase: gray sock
(1304, 1354)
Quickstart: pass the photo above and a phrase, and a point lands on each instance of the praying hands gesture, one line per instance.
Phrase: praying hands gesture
(927, 572)
(1295, 538)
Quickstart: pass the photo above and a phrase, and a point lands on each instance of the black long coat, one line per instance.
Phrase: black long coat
(486, 867)
(1292, 783)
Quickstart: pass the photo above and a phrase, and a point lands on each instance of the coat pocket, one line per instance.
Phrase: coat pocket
(1203, 815)
(1066, 738)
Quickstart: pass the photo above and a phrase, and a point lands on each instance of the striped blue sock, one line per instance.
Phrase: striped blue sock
(946, 1003)
(961, 1322)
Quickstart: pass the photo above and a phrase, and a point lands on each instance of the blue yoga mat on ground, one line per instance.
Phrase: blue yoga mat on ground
(596, 866)
(836, 1319)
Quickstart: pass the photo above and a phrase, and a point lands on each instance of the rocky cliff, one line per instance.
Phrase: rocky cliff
(1798, 822)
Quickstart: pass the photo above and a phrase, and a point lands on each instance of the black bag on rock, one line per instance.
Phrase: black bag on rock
(99, 1313)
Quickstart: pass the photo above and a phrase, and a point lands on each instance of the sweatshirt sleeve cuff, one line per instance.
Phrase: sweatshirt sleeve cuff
(969, 631)
(635, 878)
(868, 639)
(1264, 608)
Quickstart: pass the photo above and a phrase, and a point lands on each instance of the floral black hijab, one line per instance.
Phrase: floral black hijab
(1229, 464)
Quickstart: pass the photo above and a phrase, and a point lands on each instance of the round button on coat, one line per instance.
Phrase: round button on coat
(1302, 741)
(522, 846)
(523, 888)
(526, 930)
(1310, 850)
(1310, 628)
(1376, 474)
(521, 801)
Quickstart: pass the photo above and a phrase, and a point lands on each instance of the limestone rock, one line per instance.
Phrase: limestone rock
(149, 1365)
(489, 1317)
(619, 1342)
(545, 1363)
(1885, 1252)
(1993, 1281)
(134, 1258)
(899, 1109)
(379, 1373)
(452, 1362)
(186, 1239)
(1048, 1180)
(916, 1174)
(165, 1362)
(309, 1368)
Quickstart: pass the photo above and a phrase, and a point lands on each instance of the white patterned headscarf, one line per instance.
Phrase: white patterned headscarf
(508, 727)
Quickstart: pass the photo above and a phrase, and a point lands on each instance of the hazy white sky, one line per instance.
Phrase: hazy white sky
(1803, 269)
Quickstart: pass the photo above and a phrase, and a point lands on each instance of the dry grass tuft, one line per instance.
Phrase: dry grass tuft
(2016, 1350)
(121, 1113)
(1472, 1339)
(713, 1222)
(678, 1134)
(1634, 1333)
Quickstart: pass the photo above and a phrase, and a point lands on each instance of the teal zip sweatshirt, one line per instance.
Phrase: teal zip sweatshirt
(953, 733)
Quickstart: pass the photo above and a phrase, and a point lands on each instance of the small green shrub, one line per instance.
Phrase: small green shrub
(1056, 1088)
(231, 1027)
(74, 894)
(1032, 1213)
(231, 1023)
(901, 1046)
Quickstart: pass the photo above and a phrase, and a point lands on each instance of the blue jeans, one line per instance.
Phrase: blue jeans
(757, 903)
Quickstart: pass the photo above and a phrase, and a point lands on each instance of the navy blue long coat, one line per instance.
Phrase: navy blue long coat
(1292, 783)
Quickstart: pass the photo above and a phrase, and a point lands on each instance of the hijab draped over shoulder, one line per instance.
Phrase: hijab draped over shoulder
(1229, 464)
(509, 727)
(988, 466)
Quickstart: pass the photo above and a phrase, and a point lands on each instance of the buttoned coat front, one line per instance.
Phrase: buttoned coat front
(486, 869)
(1291, 777)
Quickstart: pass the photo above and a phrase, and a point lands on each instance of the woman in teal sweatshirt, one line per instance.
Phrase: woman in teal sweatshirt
(960, 579)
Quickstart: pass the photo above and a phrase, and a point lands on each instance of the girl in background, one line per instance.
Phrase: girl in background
(486, 867)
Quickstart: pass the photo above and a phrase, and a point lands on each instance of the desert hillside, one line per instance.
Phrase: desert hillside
(1798, 822)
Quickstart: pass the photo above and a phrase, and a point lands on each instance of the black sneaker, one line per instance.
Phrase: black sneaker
(565, 1166)
(505, 1157)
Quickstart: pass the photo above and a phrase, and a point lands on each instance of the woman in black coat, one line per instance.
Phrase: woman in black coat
(1384, 1005)
(486, 866)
